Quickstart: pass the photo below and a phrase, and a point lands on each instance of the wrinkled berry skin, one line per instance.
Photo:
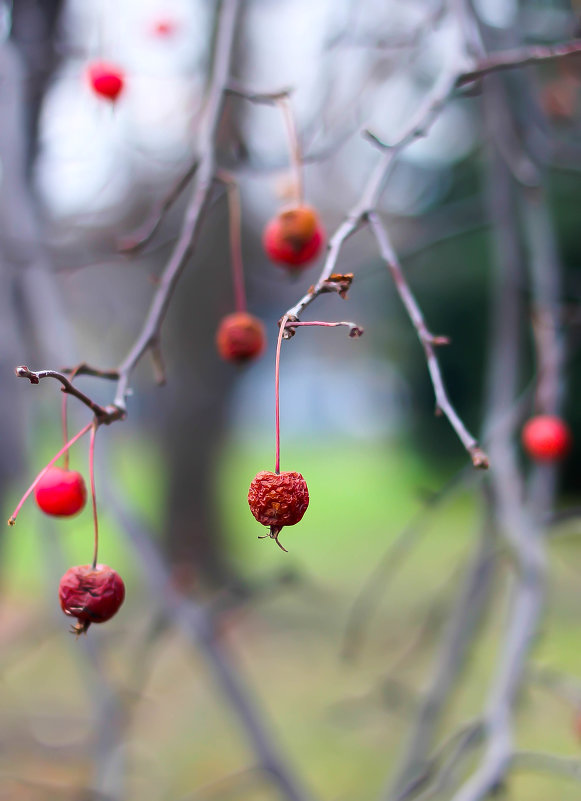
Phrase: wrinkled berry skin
(106, 80)
(91, 594)
(294, 237)
(240, 338)
(278, 500)
(61, 493)
(546, 438)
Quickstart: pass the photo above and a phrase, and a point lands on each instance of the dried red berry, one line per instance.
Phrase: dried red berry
(61, 492)
(240, 337)
(106, 80)
(278, 499)
(546, 438)
(294, 237)
(91, 594)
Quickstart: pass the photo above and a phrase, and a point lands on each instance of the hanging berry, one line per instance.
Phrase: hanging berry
(546, 438)
(278, 499)
(60, 492)
(106, 80)
(91, 594)
(240, 337)
(294, 237)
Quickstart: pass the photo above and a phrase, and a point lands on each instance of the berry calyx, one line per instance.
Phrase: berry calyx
(294, 237)
(546, 438)
(92, 594)
(60, 492)
(106, 80)
(240, 337)
(278, 499)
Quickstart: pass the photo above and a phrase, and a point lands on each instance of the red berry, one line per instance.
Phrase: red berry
(546, 438)
(60, 492)
(278, 499)
(91, 594)
(106, 80)
(294, 237)
(240, 337)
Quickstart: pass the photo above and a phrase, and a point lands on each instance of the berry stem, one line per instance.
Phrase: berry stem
(283, 323)
(65, 429)
(66, 446)
(235, 226)
(64, 418)
(94, 428)
(294, 146)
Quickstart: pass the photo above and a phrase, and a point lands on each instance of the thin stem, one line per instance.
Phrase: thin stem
(65, 427)
(235, 227)
(93, 493)
(281, 330)
(294, 147)
(66, 446)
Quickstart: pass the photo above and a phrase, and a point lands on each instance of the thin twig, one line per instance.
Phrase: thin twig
(519, 57)
(104, 414)
(136, 241)
(428, 341)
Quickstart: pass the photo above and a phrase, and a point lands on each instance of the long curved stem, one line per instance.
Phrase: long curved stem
(64, 449)
(283, 323)
(93, 493)
(294, 147)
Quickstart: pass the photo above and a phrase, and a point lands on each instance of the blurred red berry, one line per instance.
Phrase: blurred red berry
(60, 492)
(91, 594)
(240, 337)
(546, 438)
(164, 28)
(294, 237)
(106, 80)
(278, 499)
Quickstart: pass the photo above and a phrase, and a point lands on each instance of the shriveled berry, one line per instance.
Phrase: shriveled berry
(546, 438)
(106, 80)
(294, 237)
(278, 499)
(240, 337)
(60, 492)
(91, 594)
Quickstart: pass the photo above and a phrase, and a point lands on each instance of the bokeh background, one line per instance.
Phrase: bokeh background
(133, 711)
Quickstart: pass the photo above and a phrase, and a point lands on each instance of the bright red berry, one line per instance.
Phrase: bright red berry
(106, 80)
(61, 492)
(240, 337)
(91, 594)
(546, 438)
(278, 499)
(294, 237)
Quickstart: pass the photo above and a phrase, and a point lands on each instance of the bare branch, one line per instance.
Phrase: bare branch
(427, 339)
(102, 414)
(204, 180)
(263, 98)
(136, 241)
(519, 57)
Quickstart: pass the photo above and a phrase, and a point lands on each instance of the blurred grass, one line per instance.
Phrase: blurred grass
(338, 727)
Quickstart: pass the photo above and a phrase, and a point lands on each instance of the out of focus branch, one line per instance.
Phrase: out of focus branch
(519, 57)
(198, 626)
(145, 233)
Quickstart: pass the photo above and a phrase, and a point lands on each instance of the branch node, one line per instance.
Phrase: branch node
(479, 458)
